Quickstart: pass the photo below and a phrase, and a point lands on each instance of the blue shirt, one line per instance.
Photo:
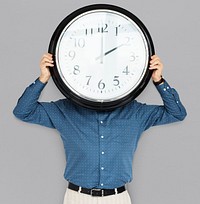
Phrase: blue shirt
(99, 146)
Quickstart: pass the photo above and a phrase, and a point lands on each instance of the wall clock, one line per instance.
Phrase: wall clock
(101, 55)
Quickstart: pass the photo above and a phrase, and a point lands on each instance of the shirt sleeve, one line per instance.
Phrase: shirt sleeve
(171, 111)
(28, 108)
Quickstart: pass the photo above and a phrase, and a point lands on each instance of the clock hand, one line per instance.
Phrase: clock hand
(108, 52)
(101, 56)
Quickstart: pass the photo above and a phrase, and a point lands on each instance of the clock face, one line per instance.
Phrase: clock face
(102, 56)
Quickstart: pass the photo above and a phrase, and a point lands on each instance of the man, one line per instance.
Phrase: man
(99, 145)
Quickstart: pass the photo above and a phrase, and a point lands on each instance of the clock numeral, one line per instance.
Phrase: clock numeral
(132, 57)
(101, 85)
(126, 71)
(89, 31)
(79, 42)
(76, 70)
(127, 40)
(71, 54)
(117, 30)
(88, 81)
(116, 81)
(99, 29)
(104, 29)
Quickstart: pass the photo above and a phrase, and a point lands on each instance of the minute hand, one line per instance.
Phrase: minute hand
(108, 52)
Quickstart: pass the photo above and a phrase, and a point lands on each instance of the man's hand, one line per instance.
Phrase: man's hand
(45, 63)
(157, 67)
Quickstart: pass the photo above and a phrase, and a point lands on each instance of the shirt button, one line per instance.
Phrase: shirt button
(177, 102)
(101, 184)
(102, 152)
(168, 87)
(164, 89)
(102, 168)
(101, 122)
(102, 136)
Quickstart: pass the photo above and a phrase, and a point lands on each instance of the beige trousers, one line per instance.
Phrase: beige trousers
(73, 197)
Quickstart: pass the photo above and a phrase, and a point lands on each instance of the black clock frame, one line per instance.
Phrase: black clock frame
(105, 106)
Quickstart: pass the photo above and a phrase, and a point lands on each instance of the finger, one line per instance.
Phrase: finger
(154, 56)
(47, 64)
(154, 59)
(46, 59)
(154, 68)
(47, 56)
(156, 62)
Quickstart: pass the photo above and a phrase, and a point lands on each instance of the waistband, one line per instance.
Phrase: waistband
(96, 192)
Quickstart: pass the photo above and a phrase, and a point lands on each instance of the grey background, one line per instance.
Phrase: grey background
(166, 165)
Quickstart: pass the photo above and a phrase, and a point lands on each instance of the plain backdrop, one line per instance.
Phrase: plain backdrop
(166, 165)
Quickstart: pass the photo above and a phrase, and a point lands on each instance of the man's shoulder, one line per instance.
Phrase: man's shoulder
(66, 103)
(135, 103)
(61, 102)
(132, 107)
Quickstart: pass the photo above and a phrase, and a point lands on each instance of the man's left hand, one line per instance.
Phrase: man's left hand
(157, 67)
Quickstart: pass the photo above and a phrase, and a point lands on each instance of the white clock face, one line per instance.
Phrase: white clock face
(102, 55)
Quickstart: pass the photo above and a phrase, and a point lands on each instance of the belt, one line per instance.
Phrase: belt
(96, 192)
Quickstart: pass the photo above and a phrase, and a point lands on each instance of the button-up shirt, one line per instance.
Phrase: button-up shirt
(99, 145)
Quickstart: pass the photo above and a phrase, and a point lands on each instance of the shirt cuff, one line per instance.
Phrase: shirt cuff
(38, 85)
(164, 88)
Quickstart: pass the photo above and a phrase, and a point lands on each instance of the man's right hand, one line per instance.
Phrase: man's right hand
(45, 63)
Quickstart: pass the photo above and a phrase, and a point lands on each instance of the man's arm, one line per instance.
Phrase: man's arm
(28, 108)
(172, 109)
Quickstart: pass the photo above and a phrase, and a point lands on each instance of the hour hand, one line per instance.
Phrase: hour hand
(109, 51)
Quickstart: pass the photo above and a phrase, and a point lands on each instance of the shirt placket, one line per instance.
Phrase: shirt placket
(102, 152)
